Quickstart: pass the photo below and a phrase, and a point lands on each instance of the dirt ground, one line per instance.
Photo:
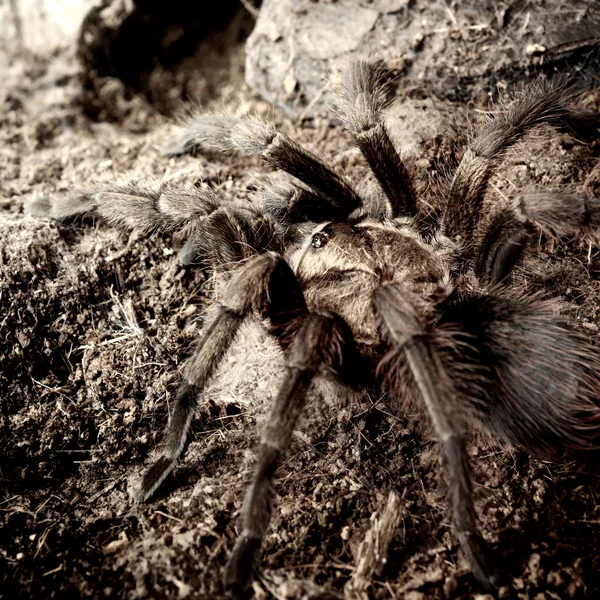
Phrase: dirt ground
(95, 325)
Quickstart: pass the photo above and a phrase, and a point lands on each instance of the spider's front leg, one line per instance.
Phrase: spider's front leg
(267, 285)
(360, 96)
(222, 231)
(148, 208)
(405, 331)
(230, 234)
(323, 341)
(328, 192)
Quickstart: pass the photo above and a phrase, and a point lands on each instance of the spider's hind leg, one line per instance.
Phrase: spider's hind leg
(399, 314)
(509, 232)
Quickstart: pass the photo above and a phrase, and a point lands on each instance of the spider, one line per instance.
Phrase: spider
(387, 296)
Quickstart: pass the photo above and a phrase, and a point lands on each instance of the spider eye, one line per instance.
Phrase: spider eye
(319, 239)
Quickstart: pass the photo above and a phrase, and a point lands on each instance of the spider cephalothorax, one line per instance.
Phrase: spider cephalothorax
(381, 295)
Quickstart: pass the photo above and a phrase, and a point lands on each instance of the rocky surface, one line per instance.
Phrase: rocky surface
(453, 49)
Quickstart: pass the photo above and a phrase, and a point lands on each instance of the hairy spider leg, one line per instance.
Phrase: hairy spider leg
(267, 285)
(291, 204)
(255, 137)
(323, 341)
(401, 322)
(502, 247)
(228, 235)
(554, 213)
(165, 207)
(545, 102)
(359, 98)
(222, 231)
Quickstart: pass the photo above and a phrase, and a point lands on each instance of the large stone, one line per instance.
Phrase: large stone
(449, 48)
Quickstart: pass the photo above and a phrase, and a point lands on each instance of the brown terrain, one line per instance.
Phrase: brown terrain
(95, 326)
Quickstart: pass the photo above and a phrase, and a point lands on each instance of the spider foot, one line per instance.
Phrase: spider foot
(481, 561)
(155, 475)
(239, 570)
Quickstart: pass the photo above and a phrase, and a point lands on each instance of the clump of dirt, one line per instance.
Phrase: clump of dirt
(96, 324)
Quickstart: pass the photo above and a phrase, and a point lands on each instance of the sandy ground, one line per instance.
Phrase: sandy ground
(95, 325)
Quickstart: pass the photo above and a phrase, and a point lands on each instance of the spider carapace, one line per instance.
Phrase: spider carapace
(340, 265)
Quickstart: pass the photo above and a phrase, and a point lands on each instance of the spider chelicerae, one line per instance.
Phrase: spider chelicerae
(388, 297)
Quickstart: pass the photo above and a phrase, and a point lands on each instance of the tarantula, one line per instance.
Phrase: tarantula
(390, 296)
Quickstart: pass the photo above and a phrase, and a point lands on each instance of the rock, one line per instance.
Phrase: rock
(454, 50)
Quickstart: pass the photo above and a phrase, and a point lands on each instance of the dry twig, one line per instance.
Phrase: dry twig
(373, 550)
